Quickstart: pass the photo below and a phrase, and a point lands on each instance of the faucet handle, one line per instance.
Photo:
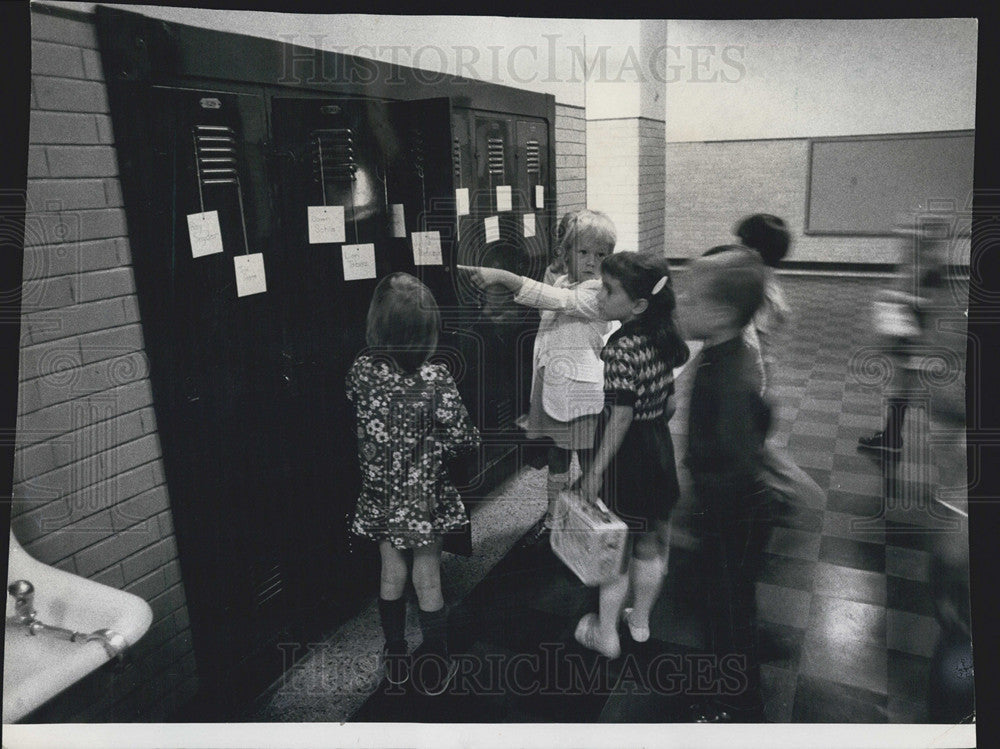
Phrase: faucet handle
(24, 596)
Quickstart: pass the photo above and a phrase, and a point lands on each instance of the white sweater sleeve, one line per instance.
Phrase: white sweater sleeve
(580, 300)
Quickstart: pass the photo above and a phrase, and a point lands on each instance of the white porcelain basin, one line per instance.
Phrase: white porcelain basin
(38, 667)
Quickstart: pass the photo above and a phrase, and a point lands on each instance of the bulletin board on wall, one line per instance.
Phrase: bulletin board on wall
(857, 186)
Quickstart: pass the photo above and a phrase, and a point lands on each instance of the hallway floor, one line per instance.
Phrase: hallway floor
(847, 621)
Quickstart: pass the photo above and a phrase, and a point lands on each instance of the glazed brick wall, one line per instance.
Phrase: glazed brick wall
(625, 179)
(89, 490)
(571, 159)
(710, 185)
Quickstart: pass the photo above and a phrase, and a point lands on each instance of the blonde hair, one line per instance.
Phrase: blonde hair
(593, 229)
(403, 321)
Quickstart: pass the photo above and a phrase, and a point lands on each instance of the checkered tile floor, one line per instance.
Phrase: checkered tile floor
(845, 607)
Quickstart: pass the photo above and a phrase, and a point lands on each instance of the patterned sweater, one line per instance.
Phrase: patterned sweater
(635, 373)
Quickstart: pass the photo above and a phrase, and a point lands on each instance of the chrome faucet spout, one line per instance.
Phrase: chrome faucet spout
(24, 601)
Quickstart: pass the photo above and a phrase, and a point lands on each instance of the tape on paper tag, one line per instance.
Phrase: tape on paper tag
(529, 224)
(503, 199)
(398, 221)
(427, 248)
(492, 225)
(206, 237)
(326, 224)
(462, 201)
(250, 274)
(359, 261)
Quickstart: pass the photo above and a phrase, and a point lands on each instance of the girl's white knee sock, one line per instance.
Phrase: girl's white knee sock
(647, 579)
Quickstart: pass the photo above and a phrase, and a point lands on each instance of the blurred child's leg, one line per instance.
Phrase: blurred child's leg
(648, 566)
(558, 479)
(744, 539)
(586, 457)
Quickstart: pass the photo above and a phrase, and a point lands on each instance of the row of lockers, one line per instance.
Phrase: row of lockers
(261, 218)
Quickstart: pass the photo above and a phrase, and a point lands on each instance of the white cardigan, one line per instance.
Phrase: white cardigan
(568, 345)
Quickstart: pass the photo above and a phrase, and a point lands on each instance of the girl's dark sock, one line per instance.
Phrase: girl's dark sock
(393, 617)
(434, 625)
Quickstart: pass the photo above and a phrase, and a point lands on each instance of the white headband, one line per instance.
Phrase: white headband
(659, 286)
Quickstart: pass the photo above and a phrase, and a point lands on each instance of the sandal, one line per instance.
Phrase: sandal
(639, 634)
(587, 635)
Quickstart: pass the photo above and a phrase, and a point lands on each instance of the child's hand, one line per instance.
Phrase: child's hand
(483, 277)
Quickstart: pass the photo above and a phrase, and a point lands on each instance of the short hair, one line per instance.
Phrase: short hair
(736, 279)
(403, 321)
(767, 234)
(593, 229)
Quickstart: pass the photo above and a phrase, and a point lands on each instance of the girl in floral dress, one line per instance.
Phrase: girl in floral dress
(410, 421)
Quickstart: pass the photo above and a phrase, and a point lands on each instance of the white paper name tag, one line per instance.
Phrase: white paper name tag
(427, 248)
(539, 196)
(503, 198)
(359, 261)
(529, 224)
(398, 221)
(206, 238)
(326, 224)
(462, 201)
(250, 274)
(492, 225)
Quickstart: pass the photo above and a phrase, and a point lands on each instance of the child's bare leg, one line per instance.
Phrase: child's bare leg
(648, 566)
(427, 576)
(586, 458)
(557, 480)
(393, 577)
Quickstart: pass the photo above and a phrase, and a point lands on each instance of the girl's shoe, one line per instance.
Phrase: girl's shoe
(639, 634)
(434, 673)
(396, 663)
(588, 634)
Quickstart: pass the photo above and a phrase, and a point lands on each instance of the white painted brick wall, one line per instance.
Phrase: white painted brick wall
(89, 494)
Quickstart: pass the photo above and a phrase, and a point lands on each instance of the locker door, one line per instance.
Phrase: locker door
(384, 165)
(215, 368)
(533, 173)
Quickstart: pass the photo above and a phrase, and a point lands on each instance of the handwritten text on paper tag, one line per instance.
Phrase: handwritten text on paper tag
(206, 237)
(250, 274)
(427, 248)
(359, 261)
(492, 225)
(326, 224)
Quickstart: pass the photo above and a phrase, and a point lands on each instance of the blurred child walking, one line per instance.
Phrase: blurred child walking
(728, 422)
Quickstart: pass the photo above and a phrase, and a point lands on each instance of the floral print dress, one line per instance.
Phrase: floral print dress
(408, 425)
